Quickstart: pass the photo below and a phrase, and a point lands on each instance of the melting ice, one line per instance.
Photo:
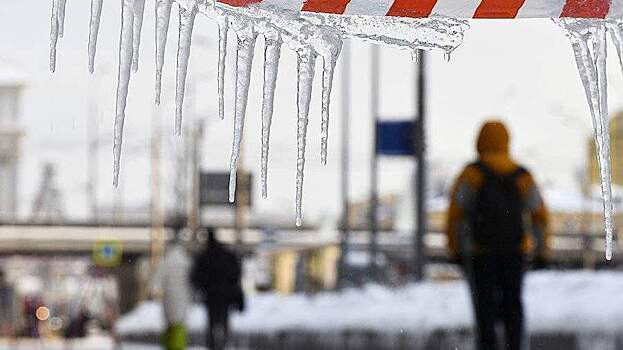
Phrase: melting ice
(311, 36)
(588, 40)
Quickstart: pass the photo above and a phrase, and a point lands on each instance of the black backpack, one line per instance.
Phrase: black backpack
(497, 220)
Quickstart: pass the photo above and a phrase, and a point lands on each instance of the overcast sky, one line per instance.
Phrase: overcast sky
(520, 71)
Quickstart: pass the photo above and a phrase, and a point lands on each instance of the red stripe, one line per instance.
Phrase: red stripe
(498, 8)
(586, 8)
(239, 3)
(326, 6)
(411, 8)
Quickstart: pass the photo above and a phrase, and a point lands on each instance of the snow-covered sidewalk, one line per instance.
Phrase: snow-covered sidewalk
(90, 343)
(561, 302)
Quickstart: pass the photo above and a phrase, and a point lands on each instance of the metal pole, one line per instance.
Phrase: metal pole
(196, 135)
(345, 163)
(420, 178)
(374, 106)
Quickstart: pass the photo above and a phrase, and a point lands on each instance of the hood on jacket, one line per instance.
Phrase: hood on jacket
(493, 147)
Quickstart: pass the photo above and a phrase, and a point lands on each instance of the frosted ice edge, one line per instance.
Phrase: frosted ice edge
(247, 36)
(94, 26)
(123, 81)
(588, 41)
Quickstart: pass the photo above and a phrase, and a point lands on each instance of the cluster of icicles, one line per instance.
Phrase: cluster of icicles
(311, 36)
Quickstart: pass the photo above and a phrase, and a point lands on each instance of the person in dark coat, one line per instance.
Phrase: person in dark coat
(216, 275)
(7, 307)
(496, 220)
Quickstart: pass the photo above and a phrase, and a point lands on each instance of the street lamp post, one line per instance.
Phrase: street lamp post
(420, 178)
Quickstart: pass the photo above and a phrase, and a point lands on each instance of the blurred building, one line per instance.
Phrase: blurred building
(359, 218)
(11, 85)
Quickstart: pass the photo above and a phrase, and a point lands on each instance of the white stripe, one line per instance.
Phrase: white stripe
(541, 9)
(368, 7)
(454, 8)
(616, 9)
(294, 5)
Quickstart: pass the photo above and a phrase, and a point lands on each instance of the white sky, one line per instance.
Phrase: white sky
(520, 71)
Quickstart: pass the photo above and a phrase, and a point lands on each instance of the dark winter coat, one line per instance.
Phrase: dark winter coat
(216, 275)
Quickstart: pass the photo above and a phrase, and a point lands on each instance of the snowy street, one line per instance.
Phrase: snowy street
(91, 343)
(555, 301)
(572, 308)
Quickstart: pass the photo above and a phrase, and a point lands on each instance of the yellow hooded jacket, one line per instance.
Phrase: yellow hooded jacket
(493, 151)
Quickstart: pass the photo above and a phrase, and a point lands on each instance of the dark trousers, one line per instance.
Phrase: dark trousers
(218, 325)
(496, 283)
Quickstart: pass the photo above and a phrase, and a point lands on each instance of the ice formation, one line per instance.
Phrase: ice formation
(312, 36)
(139, 9)
(94, 27)
(272, 53)
(163, 16)
(186, 24)
(589, 42)
(126, 42)
(306, 60)
(245, 47)
(54, 34)
(223, 28)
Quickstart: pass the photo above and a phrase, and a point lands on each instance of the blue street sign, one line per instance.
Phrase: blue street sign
(395, 138)
(107, 253)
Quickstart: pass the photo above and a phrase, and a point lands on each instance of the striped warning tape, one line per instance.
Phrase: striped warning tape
(452, 8)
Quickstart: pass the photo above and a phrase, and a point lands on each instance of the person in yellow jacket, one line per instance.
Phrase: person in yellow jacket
(496, 219)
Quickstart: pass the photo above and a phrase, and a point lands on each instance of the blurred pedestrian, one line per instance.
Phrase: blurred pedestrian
(31, 322)
(172, 283)
(496, 218)
(216, 275)
(77, 327)
(8, 314)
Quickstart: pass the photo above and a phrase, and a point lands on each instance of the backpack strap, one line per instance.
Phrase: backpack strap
(517, 173)
(487, 172)
(483, 168)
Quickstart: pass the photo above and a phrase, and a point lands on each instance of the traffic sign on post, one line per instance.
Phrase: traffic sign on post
(107, 253)
(395, 138)
(214, 188)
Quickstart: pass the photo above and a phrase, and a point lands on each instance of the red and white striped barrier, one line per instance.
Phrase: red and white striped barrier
(452, 8)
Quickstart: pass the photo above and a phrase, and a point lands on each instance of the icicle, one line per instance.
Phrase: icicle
(415, 56)
(223, 26)
(53, 35)
(272, 54)
(187, 21)
(600, 50)
(615, 27)
(139, 9)
(327, 85)
(244, 61)
(592, 70)
(125, 67)
(62, 4)
(94, 26)
(163, 15)
(306, 60)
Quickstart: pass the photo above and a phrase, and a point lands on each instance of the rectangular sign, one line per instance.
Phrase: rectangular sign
(214, 188)
(395, 138)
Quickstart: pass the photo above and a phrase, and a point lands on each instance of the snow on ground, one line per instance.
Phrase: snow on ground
(91, 343)
(95, 342)
(554, 301)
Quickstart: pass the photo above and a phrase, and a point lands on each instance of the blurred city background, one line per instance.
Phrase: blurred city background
(76, 251)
